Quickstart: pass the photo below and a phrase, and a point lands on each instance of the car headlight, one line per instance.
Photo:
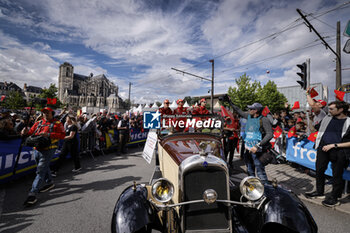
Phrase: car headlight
(252, 188)
(162, 190)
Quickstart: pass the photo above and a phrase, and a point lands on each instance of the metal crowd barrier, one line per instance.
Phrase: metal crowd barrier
(88, 143)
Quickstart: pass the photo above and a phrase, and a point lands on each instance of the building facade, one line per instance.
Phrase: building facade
(87, 91)
(295, 93)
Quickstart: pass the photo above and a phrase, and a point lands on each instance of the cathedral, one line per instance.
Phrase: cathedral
(87, 91)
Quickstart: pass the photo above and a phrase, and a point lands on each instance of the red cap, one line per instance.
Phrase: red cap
(324, 103)
(179, 100)
(47, 109)
(202, 100)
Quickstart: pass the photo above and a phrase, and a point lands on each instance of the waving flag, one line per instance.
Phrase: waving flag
(296, 105)
(313, 93)
(312, 137)
(292, 132)
(339, 95)
(265, 111)
(276, 134)
(3, 98)
(51, 101)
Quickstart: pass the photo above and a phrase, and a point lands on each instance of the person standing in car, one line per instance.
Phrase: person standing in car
(47, 127)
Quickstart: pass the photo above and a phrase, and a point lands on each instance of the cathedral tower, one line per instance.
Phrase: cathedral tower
(65, 79)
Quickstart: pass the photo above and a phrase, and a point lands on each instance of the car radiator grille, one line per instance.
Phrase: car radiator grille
(201, 216)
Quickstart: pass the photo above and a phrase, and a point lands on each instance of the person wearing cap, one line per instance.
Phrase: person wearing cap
(166, 110)
(48, 127)
(317, 107)
(332, 145)
(257, 136)
(201, 110)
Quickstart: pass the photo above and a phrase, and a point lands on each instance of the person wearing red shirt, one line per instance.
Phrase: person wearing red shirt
(201, 110)
(231, 130)
(166, 110)
(180, 110)
(49, 127)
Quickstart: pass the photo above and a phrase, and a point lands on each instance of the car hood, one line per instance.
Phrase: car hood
(182, 146)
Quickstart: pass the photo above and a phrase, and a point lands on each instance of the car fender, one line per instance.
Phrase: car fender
(132, 211)
(284, 207)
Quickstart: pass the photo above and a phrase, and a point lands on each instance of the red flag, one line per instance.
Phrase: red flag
(313, 93)
(277, 132)
(339, 95)
(3, 98)
(312, 137)
(265, 111)
(296, 105)
(292, 132)
(226, 113)
(51, 101)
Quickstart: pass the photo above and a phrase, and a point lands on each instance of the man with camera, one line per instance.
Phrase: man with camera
(258, 133)
(45, 135)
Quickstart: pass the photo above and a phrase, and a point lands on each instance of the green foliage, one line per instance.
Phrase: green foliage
(269, 96)
(245, 93)
(14, 101)
(158, 103)
(50, 92)
(248, 92)
(191, 100)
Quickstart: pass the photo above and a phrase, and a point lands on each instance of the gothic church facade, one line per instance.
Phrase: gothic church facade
(87, 91)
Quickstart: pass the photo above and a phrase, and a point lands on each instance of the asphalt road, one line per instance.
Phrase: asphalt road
(84, 202)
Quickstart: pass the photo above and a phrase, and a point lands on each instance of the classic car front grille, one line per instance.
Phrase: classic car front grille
(201, 216)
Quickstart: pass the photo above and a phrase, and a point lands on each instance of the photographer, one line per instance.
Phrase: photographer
(258, 133)
(47, 128)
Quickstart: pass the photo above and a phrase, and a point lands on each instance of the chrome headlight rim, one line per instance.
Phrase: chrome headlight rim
(165, 183)
(258, 188)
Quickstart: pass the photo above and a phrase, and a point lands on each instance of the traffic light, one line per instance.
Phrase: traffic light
(303, 75)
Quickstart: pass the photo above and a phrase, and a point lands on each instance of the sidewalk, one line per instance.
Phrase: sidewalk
(293, 178)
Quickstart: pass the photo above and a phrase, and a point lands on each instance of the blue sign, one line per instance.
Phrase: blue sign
(304, 154)
(151, 120)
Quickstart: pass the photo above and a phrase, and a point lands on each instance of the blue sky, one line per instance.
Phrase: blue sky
(140, 41)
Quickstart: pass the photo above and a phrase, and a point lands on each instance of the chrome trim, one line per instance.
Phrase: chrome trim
(250, 204)
(195, 162)
(243, 182)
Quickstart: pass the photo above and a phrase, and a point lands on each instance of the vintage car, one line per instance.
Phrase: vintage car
(193, 190)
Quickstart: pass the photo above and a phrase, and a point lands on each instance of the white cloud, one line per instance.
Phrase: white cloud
(134, 33)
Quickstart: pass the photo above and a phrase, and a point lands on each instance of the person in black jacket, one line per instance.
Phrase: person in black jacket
(70, 145)
(332, 145)
(123, 127)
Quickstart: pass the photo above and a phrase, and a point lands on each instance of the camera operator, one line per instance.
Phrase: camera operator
(47, 127)
(258, 133)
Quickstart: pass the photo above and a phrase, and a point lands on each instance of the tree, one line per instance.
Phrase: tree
(14, 100)
(248, 92)
(51, 93)
(269, 96)
(245, 93)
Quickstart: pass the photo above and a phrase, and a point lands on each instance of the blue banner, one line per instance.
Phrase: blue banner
(138, 136)
(8, 154)
(304, 154)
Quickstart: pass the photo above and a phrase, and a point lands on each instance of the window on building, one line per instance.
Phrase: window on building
(67, 71)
